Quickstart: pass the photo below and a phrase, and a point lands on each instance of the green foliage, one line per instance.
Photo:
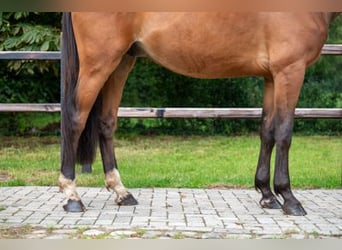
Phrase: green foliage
(28, 81)
(322, 88)
(335, 34)
(26, 31)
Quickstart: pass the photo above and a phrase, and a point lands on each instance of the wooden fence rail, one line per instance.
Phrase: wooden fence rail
(30, 55)
(249, 113)
(328, 49)
(246, 113)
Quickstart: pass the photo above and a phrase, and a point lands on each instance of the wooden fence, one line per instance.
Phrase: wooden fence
(249, 113)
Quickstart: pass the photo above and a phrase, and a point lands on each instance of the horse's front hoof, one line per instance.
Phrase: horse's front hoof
(74, 206)
(127, 200)
(271, 203)
(294, 209)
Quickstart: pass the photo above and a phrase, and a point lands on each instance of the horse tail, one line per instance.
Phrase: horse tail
(87, 143)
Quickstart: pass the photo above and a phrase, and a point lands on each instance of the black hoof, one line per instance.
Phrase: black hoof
(74, 206)
(294, 209)
(271, 203)
(127, 200)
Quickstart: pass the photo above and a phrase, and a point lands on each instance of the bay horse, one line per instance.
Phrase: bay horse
(99, 51)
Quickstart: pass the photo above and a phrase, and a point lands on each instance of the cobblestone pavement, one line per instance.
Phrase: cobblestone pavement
(36, 212)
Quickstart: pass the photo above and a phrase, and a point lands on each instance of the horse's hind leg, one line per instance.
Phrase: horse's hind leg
(86, 92)
(262, 176)
(111, 97)
(95, 70)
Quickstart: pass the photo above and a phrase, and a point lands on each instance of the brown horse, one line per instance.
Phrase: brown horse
(100, 50)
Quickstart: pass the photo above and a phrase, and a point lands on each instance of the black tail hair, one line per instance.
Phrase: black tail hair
(87, 144)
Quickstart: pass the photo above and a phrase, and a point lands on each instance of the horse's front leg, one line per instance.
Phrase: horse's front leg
(282, 185)
(288, 83)
(111, 97)
(262, 176)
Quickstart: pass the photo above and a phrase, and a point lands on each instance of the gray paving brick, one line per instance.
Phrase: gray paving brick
(86, 222)
(142, 212)
(217, 213)
(158, 224)
(123, 219)
(47, 223)
(68, 221)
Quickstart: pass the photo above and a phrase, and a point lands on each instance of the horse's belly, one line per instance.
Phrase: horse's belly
(203, 46)
(209, 64)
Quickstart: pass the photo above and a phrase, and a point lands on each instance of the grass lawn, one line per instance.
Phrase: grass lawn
(175, 161)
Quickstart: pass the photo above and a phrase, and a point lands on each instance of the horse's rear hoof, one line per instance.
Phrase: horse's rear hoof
(127, 200)
(271, 203)
(74, 206)
(294, 209)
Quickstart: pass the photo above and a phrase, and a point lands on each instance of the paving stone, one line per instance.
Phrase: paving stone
(93, 232)
(122, 234)
(298, 236)
(86, 222)
(211, 235)
(35, 236)
(65, 231)
(57, 237)
(238, 236)
(191, 234)
(176, 224)
(151, 235)
(68, 221)
(203, 213)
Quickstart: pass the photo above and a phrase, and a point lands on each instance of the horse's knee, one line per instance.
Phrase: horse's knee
(78, 123)
(107, 127)
(283, 141)
(267, 139)
(283, 133)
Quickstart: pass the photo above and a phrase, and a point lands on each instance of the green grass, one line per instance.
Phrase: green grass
(169, 161)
